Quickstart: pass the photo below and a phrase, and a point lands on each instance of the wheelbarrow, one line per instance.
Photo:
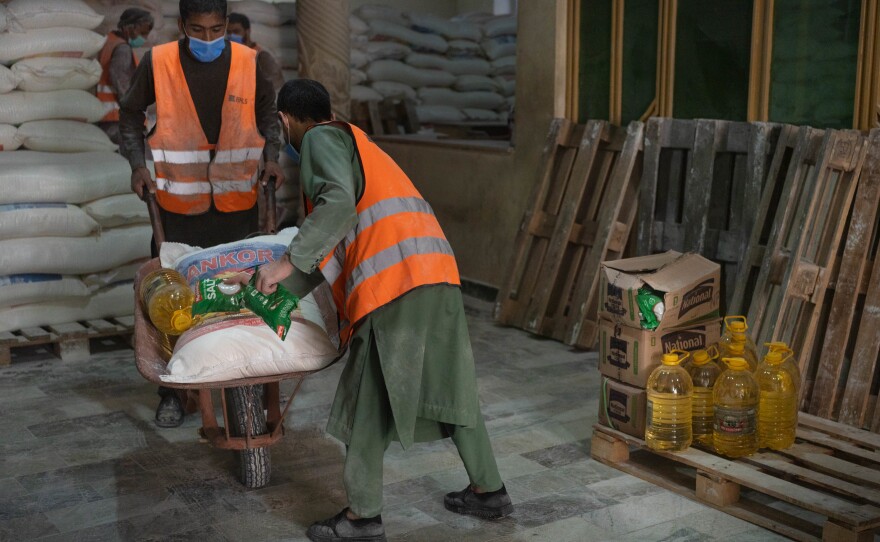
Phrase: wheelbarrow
(253, 417)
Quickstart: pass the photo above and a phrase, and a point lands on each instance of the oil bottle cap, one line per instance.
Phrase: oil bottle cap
(737, 347)
(674, 357)
(700, 357)
(774, 357)
(737, 364)
(736, 324)
(181, 320)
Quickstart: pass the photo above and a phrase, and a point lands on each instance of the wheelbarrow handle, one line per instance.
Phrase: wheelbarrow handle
(271, 209)
(155, 218)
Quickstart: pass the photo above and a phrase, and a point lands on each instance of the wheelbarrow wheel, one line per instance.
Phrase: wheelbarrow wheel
(254, 463)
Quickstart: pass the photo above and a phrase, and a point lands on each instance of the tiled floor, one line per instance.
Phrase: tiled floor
(80, 459)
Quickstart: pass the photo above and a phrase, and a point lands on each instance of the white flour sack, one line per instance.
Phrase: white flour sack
(75, 255)
(63, 42)
(118, 210)
(259, 12)
(44, 220)
(237, 349)
(8, 141)
(35, 288)
(31, 14)
(28, 176)
(42, 74)
(123, 273)
(63, 136)
(3, 18)
(393, 70)
(440, 114)
(8, 80)
(19, 107)
(477, 100)
(382, 30)
(117, 300)
(196, 263)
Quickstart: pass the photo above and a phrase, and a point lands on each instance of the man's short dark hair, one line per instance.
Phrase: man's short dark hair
(240, 18)
(195, 7)
(134, 17)
(305, 99)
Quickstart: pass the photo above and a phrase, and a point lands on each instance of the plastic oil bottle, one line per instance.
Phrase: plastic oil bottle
(736, 397)
(704, 372)
(788, 361)
(669, 415)
(168, 300)
(777, 408)
(735, 328)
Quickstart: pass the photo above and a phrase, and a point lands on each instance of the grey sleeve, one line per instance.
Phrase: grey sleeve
(122, 68)
(267, 116)
(132, 113)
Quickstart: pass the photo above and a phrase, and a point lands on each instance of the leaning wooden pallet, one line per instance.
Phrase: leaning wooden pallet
(581, 219)
(813, 261)
(69, 341)
(700, 188)
(531, 240)
(782, 205)
(825, 487)
(853, 280)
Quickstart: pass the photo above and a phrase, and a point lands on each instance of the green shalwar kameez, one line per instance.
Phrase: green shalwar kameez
(410, 372)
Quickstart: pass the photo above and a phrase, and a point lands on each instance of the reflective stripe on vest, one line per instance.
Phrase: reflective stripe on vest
(190, 172)
(397, 244)
(104, 90)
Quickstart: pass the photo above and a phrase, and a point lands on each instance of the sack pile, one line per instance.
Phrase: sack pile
(456, 70)
(70, 228)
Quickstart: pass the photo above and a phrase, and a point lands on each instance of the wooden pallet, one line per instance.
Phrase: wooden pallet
(578, 219)
(825, 487)
(385, 117)
(815, 258)
(69, 341)
(700, 188)
(783, 203)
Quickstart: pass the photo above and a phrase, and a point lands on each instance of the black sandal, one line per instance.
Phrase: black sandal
(169, 413)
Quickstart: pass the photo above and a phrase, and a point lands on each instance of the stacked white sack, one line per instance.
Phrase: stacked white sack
(273, 29)
(456, 70)
(49, 238)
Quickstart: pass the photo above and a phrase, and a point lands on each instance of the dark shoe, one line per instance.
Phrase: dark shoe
(341, 529)
(489, 505)
(170, 411)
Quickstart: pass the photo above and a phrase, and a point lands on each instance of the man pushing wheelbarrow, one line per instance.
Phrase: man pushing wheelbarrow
(410, 371)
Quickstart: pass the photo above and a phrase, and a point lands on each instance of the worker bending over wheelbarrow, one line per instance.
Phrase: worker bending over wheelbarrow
(410, 372)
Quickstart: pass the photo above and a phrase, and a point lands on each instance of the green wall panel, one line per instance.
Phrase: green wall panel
(595, 59)
(640, 28)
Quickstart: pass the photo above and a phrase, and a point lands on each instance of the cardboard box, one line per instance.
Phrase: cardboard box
(622, 407)
(691, 285)
(629, 355)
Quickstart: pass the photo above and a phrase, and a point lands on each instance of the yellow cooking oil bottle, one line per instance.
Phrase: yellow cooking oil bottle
(669, 412)
(704, 371)
(777, 407)
(735, 328)
(788, 361)
(736, 410)
(168, 300)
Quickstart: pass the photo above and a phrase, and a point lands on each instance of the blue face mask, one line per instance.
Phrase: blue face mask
(137, 42)
(207, 51)
(291, 152)
(236, 38)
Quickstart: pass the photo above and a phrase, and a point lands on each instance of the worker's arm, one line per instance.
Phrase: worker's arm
(267, 124)
(132, 116)
(271, 68)
(329, 182)
(122, 68)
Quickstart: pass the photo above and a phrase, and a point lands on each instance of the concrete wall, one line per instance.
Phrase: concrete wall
(479, 196)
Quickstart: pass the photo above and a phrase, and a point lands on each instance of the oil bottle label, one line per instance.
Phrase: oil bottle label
(735, 421)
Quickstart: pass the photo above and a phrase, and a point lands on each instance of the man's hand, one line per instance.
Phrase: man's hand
(141, 180)
(268, 276)
(272, 169)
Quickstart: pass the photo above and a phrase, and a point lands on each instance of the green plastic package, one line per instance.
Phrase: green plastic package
(651, 307)
(213, 296)
(274, 308)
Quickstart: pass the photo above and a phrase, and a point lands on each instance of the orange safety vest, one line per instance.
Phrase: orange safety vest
(396, 246)
(106, 93)
(189, 170)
